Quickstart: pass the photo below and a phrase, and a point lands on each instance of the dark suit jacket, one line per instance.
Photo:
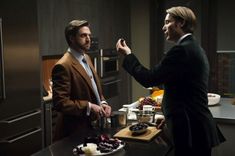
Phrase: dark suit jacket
(184, 73)
(72, 90)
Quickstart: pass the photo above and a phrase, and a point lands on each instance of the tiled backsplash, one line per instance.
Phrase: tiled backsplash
(226, 74)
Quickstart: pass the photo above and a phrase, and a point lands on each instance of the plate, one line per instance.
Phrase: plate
(94, 152)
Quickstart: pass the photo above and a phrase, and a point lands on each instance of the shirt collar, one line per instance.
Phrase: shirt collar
(78, 55)
(182, 37)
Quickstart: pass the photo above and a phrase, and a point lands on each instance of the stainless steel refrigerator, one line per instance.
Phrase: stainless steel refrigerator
(20, 97)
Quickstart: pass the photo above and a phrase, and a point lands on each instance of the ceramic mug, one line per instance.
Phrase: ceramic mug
(118, 119)
(148, 109)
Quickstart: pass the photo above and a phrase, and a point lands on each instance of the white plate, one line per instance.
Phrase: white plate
(98, 153)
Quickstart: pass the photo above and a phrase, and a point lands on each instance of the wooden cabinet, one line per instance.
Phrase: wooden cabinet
(109, 20)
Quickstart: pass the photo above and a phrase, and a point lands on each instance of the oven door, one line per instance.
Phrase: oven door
(95, 58)
(111, 88)
(109, 66)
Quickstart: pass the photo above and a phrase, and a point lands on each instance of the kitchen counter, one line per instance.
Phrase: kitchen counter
(224, 115)
(159, 145)
(224, 111)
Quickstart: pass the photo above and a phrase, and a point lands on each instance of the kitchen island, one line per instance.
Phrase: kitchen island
(159, 145)
(224, 115)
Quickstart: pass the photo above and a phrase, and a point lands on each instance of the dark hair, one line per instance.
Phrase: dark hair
(72, 28)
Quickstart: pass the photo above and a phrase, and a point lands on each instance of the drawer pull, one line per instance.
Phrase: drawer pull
(12, 140)
(9, 121)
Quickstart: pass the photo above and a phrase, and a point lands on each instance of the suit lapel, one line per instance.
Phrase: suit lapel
(79, 68)
(94, 74)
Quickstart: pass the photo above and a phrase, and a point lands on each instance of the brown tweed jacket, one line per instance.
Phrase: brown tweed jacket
(72, 90)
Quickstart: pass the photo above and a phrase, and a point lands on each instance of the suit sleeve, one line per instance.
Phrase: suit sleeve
(171, 67)
(61, 93)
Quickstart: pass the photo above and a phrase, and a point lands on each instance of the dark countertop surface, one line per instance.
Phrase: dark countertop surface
(159, 145)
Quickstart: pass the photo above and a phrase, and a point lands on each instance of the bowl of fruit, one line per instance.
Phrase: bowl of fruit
(139, 128)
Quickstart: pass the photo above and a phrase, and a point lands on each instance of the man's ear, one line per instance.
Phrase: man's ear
(182, 23)
(71, 38)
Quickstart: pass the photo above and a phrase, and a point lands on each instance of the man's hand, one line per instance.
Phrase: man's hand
(98, 110)
(122, 47)
(107, 110)
(160, 123)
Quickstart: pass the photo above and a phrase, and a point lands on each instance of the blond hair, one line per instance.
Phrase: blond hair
(180, 13)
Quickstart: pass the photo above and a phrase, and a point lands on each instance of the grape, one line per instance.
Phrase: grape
(147, 101)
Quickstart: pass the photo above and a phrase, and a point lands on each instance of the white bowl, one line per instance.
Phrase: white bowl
(213, 98)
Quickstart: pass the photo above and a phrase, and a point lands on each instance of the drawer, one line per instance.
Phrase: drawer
(11, 126)
(23, 144)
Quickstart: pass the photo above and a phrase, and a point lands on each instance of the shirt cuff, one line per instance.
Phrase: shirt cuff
(88, 110)
(104, 102)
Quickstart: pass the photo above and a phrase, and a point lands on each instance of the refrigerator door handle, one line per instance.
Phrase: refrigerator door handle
(9, 121)
(2, 72)
(12, 140)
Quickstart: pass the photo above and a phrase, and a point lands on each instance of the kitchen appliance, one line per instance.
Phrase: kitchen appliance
(20, 95)
(109, 63)
(106, 63)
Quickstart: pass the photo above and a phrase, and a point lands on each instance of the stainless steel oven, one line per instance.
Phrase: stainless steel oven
(109, 63)
(106, 62)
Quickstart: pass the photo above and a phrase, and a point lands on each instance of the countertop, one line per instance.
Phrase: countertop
(160, 145)
(224, 111)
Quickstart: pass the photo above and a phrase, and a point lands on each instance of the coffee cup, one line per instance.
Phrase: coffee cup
(148, 109)
(118, 119)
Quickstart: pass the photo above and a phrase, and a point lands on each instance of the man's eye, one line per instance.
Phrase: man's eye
(82, 35)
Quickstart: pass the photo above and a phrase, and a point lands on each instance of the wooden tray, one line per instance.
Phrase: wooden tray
(125, 133)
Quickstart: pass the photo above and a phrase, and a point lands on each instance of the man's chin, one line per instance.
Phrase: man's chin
(167, 38)
(86, 48)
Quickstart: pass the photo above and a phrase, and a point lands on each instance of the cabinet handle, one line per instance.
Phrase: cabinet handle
(2, 72)
(12, 140)
(112, 82)
(9, 121)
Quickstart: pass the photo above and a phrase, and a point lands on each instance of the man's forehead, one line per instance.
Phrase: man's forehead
(168, 17)
(84, 30)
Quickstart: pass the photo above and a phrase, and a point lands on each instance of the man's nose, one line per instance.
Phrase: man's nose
(88, 38)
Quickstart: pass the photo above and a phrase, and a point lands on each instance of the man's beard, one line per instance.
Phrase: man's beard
(84, 47)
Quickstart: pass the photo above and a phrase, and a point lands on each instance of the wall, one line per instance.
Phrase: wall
(140, 40)
(225, 27)
(109, 20)
(226, 48)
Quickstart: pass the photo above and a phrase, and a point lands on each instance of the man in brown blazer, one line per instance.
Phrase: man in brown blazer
(77, 94)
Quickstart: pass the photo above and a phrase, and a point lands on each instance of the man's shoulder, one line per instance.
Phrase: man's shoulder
(65, 59)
